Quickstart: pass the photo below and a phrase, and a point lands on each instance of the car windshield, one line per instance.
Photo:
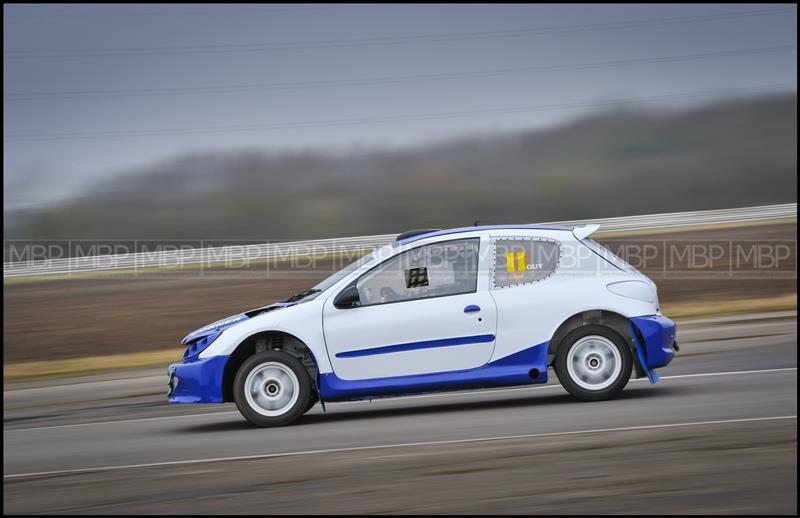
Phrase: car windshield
(331, 280)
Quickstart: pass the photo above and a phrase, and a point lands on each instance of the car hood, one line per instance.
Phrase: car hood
(225, 323)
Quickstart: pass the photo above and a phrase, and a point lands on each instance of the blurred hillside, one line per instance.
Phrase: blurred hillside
(621, 162)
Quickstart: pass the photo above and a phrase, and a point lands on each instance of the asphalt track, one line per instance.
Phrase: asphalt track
(718, 434)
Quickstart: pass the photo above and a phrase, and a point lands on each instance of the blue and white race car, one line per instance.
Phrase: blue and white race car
(438, 310)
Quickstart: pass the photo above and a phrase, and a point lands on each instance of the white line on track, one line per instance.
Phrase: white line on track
(730, 373)
(120, 421)
(401, 445)
(677, 376)
(420, 396)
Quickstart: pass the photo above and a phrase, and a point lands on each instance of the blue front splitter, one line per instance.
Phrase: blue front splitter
(198, 381)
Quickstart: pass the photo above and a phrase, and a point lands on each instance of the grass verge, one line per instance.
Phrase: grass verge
(704, 308)
(91, 364)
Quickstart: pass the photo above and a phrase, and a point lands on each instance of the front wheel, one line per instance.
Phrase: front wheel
(593, 363)
(272, 389)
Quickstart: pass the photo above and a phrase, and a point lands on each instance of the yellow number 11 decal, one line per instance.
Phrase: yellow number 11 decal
(520, 266)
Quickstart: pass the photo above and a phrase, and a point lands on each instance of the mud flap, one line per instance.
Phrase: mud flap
(319, 396)
(651, 374)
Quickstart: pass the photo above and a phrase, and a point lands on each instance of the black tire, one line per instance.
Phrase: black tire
(601, 349)
(311, 402)
(273, 366)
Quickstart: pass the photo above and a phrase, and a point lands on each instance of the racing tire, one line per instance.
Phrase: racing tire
(593, 363)
(313, 400)
(272, 388)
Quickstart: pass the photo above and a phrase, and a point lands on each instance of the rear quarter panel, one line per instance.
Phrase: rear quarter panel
(530, 314)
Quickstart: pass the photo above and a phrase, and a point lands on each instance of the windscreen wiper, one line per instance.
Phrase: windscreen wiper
(301, 295)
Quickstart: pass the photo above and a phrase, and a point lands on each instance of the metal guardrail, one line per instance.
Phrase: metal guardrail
(688, 219)
(250, 252)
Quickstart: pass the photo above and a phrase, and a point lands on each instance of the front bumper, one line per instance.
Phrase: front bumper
(197, 381)
(658, 337)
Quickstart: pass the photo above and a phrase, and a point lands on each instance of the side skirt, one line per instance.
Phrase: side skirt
(525, 367)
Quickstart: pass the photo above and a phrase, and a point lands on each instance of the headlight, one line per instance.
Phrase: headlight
(637, 290)
(200, 345)
(218, 326)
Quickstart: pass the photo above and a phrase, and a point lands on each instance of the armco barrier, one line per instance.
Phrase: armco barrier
(185, 257)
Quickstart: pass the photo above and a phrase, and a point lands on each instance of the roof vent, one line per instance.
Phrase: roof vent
(412, 233)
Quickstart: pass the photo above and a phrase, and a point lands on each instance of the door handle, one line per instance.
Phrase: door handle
(471, 308)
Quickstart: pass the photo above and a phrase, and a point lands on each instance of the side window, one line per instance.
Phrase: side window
(520, 261)
(434, 270)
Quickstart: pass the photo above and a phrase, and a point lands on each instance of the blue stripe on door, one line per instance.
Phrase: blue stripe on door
(413, 346)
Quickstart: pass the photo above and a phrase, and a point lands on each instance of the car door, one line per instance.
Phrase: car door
(425, 310)
(530, 299)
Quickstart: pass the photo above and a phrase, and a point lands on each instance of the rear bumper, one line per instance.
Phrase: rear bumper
(658, 335)
(198, 381)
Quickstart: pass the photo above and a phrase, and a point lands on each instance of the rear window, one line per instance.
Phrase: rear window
(608, 255)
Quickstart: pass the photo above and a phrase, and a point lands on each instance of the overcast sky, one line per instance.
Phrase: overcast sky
(72, 69)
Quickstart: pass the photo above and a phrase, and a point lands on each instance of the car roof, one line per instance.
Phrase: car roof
(436, 233)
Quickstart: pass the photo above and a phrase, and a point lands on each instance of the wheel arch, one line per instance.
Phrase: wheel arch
(266, 341)
(604, 317)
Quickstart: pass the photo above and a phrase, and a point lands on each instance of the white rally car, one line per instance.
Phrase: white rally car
(434, 311)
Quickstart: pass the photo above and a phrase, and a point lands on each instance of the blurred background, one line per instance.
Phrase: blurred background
(306, 121)
(248, 123)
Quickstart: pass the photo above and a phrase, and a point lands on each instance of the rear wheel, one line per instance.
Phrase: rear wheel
(272, 388)
(311, 402)
(593, 363)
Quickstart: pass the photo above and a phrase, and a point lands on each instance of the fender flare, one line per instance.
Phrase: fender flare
(611, 319)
